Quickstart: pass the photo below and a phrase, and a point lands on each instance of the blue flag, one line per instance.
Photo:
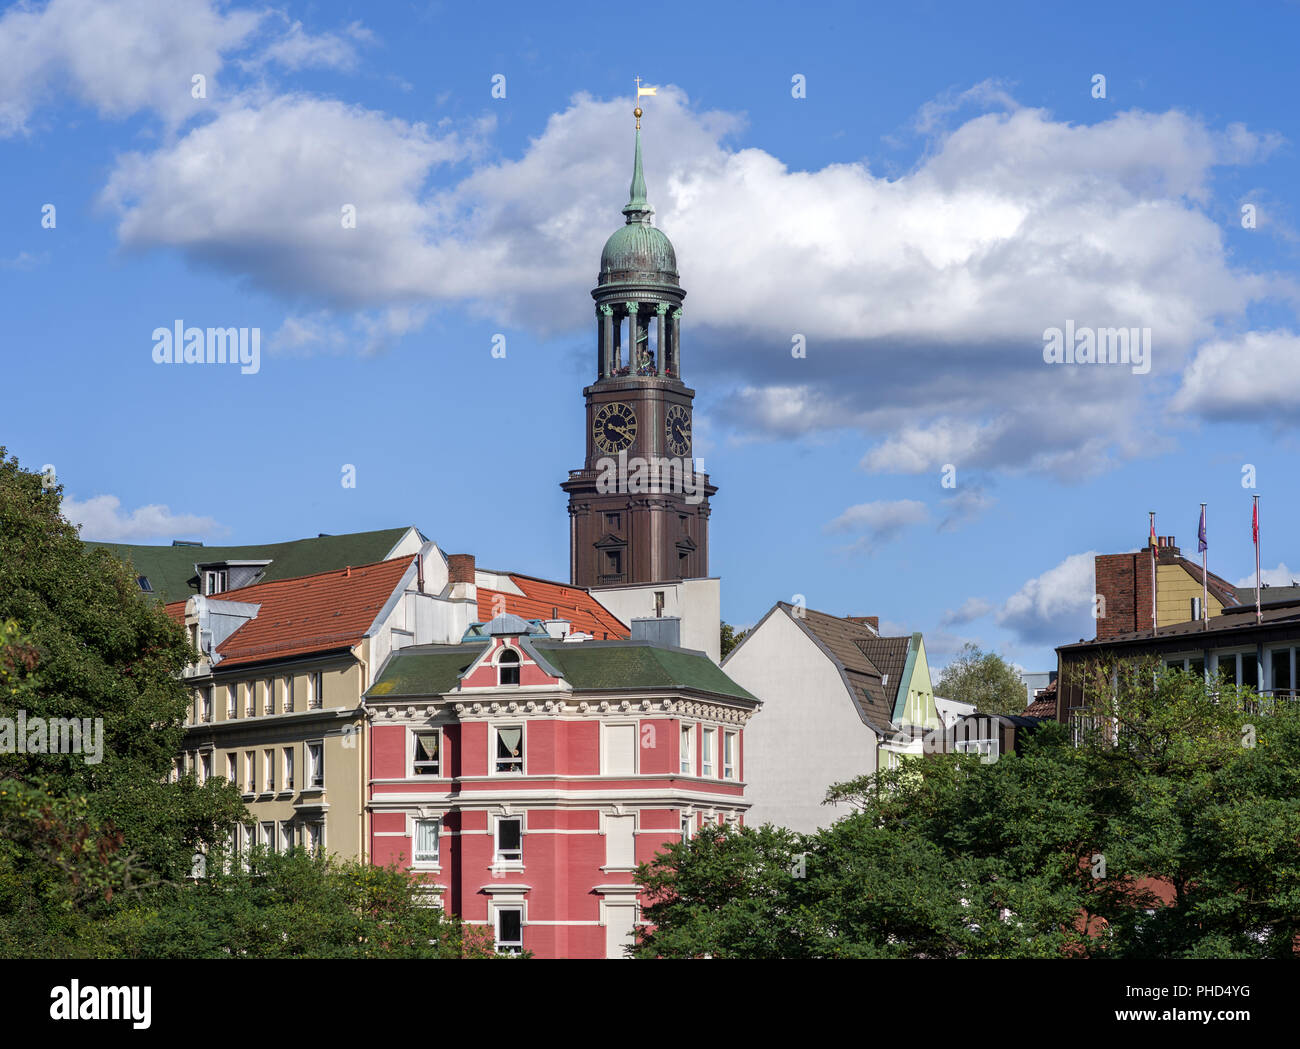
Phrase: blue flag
(1202, 546)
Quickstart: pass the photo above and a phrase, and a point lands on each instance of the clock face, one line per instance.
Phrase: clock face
(677, 430)
(614, 427)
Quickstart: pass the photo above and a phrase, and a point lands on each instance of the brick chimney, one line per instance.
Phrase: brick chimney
(1123, 581)
(460, 574)
(871, 621)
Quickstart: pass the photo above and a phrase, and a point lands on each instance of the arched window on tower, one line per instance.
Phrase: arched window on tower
(508, 668)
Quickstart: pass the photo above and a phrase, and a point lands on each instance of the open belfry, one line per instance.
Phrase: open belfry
(638, 417)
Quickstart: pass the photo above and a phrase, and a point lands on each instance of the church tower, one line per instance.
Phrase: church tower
(638, 511)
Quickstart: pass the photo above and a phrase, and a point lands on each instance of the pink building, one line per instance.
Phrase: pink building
(528, 770)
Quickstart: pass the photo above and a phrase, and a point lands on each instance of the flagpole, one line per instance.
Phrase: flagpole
(1155, 621)
(1205, 579)
(1259, 615)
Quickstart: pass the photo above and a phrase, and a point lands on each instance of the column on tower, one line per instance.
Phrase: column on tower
(605, 336)
(661, 341)
(633, 338)
(675, 340)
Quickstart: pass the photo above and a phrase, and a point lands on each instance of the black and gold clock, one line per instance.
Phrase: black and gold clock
(614, 427)
(677, 430)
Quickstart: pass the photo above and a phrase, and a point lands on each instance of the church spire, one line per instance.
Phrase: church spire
(638, 208)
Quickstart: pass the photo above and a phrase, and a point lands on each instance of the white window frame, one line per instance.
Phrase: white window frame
(289, 761)
(268, 770)
(426, 862)
(205, 701)
(523, 747)
(250, 772)
(498, 860)
(604, 747)
(513, 946)
(687, 829)
(412, 743)
(687, 733)
(517, 663)
(284, 830)
(232, 767)
(315, 766)
(205, 766)
(288, 694)
(266, 834)
(730, 762)
(232, 701)
(708, 744)
(314, 829)
(250, 700)
(268, 695)
(315, 690)
(634, 816)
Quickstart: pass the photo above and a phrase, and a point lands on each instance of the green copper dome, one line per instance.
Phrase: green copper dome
(638, 252)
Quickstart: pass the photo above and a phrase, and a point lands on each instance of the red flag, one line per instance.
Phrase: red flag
(1254, 525)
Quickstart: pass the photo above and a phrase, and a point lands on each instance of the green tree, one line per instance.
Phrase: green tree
(291, 905)
(984, 679)
(725, 894)
(729, 638)
(1172, 829)
(83, 643)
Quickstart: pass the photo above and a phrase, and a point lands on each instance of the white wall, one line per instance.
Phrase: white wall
(807, 734)
(696, 602)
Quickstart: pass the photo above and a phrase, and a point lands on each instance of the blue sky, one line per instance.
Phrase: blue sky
(948, 188)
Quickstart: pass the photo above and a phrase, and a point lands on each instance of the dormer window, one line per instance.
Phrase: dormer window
(508, 668)
(215, 581)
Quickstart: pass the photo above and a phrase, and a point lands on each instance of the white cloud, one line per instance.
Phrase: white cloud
(878, 522)
(1255, 375)
(1279, 576)
(299, 49)
(101, 517)
(1055, 607)
(971, 609)
(117, 56)
(964, 507)
(935, 286)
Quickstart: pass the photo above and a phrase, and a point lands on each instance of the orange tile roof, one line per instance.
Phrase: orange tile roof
(176, 612)
(541, 596)
(312, 613)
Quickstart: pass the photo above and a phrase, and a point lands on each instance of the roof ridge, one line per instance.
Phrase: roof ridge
(345, 572)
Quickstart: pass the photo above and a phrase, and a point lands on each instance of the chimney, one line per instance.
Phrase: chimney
(460, 574)
(871, 621)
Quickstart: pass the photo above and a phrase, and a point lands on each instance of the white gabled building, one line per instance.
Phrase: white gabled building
(836, 697)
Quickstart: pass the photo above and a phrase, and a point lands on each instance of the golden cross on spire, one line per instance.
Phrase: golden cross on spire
(639, 92)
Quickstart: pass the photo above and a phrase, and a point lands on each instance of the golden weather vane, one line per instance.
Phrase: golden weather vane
(639, 92)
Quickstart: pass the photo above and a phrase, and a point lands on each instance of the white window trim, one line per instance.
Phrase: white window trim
(605, 726)
(732, 772)
(250, 772)
(692, 746)
(708, 752)
(493, 727)
(309, 773)
(496, 665)
(503, 864)
(635, 815)
(411, 739)
(288, 758)
(512, 903)
(413, 822)
(268, 770)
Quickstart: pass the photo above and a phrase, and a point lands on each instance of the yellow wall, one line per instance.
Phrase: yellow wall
(344, 746)
(1174, 592)
(920, 709)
